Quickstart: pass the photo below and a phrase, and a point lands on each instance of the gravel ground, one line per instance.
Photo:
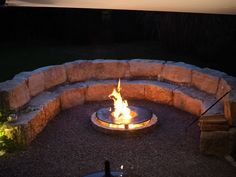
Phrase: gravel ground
(69, 146)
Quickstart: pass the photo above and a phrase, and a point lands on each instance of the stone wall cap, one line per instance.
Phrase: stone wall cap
(211, 72)
(65, 87)
(147, 61)
(182, 64)
(23, 75)
(160, 84)
(10, 84)
(230, 80)
(108, 61)
(195, 93)
(232, 96)
(46, 68)
(24, 118)
(43, 68)
(93, 82)
(42, 98)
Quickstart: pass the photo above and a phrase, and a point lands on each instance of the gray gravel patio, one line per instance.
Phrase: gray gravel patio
(69, 146)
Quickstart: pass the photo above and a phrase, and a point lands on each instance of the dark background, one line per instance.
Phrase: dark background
(35, 37)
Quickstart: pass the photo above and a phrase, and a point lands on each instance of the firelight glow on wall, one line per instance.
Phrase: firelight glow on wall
(195, 6)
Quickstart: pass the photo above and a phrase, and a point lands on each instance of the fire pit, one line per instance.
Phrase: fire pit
(122, 118)
(41, 94)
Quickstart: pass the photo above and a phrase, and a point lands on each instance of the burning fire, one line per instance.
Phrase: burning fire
(121, 113)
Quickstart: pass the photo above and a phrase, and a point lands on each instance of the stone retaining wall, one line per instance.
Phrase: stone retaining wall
(46, 91)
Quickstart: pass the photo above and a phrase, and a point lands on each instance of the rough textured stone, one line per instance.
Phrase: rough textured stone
(36, 82)
(230, 107)
(226, 84)
(50, 103)
(213, 123)
(14, 93)
(98, 91)
(110, 69)
(72, 95)
(145, 68)
(188, 99)
(53, 75)
(40, 110)
(22, 75)
(217, 109)
(206, 79)
(31, 124)
(159, 92)
(80, 70)
(133, 90)
(178, 72)
(214, 143)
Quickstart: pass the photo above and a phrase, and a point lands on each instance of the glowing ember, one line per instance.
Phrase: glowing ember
(121, 113)
(122, 118)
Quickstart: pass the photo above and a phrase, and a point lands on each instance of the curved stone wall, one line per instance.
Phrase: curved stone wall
(40, 94)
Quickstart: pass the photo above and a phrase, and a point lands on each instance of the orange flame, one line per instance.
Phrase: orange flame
(122, 113)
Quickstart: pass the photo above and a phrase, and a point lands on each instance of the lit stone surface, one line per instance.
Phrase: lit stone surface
(41, 109)
(230, 107)
(36, 82)
(14, 93)
(226, 84)
(214, 142)
(22, 75)
(206, 79)
(31, 124)
(213, 123)
(80, 70)
(72, 95)
(49, 102)
(217, 109)
(159, 92)
(110, 69)
(133, 90)
(54, 75)
(188, 99)
(145, 68)
(178, 72)
(98, 91)
(214, 118)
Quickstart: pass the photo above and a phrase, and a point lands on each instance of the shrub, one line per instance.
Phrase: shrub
(8, 132)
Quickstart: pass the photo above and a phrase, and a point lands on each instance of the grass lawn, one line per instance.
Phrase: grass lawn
(15, 58)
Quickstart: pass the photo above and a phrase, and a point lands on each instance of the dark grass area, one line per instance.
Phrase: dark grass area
(24, 57)
(18, 58)
(69, 146)
(35, 37)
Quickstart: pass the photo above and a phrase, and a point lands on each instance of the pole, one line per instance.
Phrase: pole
(107, 169)
(202, 114)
